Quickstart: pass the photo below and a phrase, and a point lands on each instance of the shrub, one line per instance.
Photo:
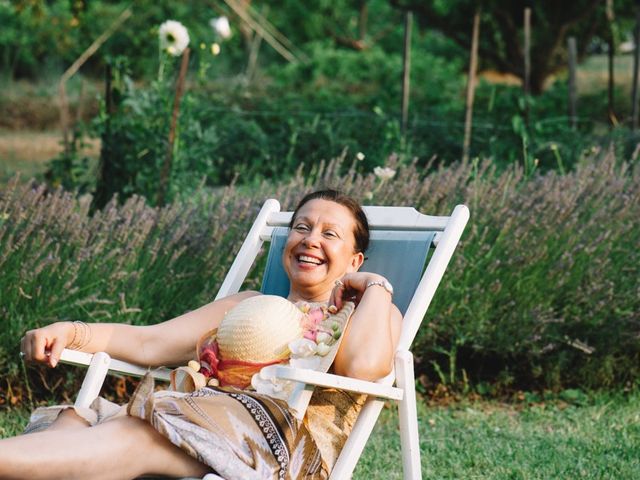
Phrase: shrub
(542, 292)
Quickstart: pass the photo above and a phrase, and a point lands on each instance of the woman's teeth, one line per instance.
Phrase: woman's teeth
(306, 259)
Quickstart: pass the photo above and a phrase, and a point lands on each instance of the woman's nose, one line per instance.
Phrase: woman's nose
(312, 238)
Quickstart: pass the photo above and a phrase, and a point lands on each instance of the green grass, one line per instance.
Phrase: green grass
(12, 421)
(491, 440)
(593, 73)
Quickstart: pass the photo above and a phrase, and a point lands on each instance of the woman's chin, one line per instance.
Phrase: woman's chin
(308, 278)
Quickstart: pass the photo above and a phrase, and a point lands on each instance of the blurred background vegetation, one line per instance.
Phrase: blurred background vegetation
(543, 293)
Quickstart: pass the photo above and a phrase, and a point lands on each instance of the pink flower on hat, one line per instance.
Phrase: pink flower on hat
(311, 322)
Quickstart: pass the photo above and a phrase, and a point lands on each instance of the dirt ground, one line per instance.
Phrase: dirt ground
(27, 152)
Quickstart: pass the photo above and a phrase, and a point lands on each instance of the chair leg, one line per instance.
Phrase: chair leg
(408, 414)
(93, 380)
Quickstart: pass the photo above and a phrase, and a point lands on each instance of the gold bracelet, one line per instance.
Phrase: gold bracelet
(72, 344)
(85, 337)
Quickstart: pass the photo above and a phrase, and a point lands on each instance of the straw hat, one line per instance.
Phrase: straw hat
(259, 329)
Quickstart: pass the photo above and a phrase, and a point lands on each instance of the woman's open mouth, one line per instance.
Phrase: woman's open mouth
(308, 260)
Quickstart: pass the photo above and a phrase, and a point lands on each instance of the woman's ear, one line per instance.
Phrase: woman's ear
(356, 261)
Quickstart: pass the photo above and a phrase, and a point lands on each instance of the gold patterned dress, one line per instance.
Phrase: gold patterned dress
(240, 434)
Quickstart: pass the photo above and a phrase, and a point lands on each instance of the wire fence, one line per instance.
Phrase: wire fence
(431, 133)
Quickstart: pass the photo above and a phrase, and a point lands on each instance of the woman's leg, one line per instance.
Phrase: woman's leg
(68, 419)
(122, 448)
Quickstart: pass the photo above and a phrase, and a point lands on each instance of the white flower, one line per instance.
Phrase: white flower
(360, 156)
(266, 384)
(173, 37)
(323, 337)
(323, 349)
(221, 26)
(215, 49)
(302, 347)
(384, 173)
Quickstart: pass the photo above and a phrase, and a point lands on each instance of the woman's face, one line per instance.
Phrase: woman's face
(320, 248)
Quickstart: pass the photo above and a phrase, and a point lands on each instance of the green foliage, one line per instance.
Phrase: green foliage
(341, 102)
(542, 291)
(546, 269)
(489, 439)
(44, 35)
(502, 30)
(538, 440)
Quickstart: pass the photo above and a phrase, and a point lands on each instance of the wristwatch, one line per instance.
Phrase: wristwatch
(381, 283)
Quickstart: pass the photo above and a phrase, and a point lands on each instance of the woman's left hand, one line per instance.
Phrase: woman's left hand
(351, 287)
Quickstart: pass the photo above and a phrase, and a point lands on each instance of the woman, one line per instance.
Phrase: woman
(324, 250)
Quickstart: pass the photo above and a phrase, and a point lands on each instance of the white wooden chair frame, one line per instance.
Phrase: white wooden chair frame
(449, 230)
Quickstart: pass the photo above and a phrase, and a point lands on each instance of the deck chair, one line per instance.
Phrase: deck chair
(402, 240)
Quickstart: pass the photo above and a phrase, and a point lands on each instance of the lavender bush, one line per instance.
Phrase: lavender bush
(543, 290)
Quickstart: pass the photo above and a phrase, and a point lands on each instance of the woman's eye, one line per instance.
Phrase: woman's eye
(330, 233)
(301, 227)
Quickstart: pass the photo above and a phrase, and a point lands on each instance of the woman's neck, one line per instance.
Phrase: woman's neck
(315, 297)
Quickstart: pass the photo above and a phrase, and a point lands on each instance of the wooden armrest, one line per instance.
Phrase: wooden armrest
(74, 357)
(321, 379)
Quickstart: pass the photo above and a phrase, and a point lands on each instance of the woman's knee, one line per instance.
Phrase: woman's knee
(68, 419)
(160, 455)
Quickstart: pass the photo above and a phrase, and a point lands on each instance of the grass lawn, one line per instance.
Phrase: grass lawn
(489, 440)
(593, 73)
(599, 439)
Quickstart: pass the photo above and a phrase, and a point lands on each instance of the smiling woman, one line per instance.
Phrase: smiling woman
(321, 247)
(235, 432)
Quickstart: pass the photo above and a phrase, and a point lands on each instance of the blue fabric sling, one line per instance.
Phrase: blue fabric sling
(397, 255)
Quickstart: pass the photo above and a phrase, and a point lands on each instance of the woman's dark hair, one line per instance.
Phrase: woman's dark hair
(361, 230)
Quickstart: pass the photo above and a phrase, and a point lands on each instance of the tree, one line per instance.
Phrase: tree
(501, 43)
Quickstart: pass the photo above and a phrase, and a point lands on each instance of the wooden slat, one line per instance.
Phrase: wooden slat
(383, 218)
(321, 379)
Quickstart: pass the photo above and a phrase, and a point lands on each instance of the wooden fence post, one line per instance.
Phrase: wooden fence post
(75, 66)
(471, 86)
(636, 67)
(105, 170)
(165, 173)
(527, 62)
(571, 45)
(256, 41)
(611, 41)
(406, 70)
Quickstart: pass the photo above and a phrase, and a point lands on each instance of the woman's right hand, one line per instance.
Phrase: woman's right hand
(45, 344)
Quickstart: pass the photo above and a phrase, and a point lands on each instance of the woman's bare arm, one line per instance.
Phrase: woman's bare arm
(371, 337)
(168, 343)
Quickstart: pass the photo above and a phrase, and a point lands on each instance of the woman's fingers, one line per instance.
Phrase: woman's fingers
(55, 351)
(38, 347)
(336, 294)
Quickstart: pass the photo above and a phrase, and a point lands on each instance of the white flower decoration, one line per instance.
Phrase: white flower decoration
(384, 173)
(360, 156)
(302, 347)
(323, 349)
(323, 337)
(173, 37)
(267, 384)
(221, 26)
